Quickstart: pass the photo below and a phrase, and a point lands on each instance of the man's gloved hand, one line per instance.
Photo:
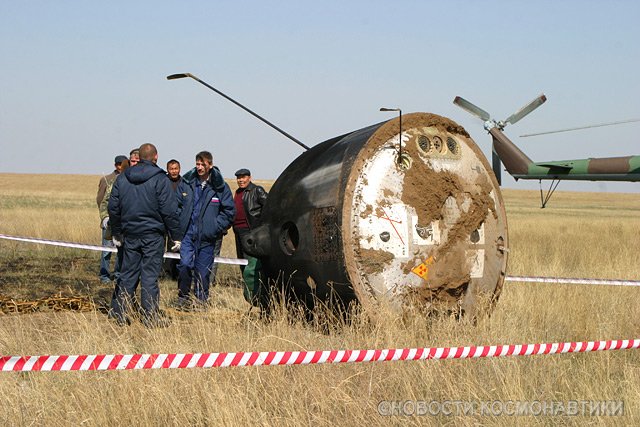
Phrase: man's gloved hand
(117, 243)
(176, 246)
(105, 223)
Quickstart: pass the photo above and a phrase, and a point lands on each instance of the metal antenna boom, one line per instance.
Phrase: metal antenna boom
(183, 75)
(400, 134)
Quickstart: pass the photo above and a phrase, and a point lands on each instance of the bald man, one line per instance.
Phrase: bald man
(142, 208)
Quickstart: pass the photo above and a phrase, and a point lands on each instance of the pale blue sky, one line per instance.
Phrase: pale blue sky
(83, 81)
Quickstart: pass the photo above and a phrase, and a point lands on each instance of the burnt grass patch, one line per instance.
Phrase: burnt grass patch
(27, 274)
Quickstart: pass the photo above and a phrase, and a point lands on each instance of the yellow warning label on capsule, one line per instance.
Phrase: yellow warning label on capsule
(422, 269)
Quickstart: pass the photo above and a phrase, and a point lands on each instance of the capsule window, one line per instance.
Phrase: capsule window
(289, 238)
(452, 145)
(436, 144)
(424, 144)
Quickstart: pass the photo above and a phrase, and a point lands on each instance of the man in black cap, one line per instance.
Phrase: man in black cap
(105, 184)
(249, 200)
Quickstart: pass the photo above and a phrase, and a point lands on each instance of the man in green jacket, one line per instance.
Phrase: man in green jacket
(104, 191)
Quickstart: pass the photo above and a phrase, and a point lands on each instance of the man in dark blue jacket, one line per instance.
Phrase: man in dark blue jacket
(206, 210)
(142, 208)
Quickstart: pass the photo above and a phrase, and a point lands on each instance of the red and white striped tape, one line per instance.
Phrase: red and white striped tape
(107, 362)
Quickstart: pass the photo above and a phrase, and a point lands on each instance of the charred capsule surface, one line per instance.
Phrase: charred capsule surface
(358, 218)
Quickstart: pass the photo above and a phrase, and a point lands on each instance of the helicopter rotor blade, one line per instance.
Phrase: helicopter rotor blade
(473, 109)
(581, 127)
(517, 116)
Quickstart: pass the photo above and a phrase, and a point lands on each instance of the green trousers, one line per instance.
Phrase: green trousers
(253, 290)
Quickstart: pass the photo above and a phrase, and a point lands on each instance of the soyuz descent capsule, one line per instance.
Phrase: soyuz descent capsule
(361, 218)
(398, 214)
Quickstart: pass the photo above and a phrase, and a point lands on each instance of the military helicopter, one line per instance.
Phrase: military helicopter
(520, 166)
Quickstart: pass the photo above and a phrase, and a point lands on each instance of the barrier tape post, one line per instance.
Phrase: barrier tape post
(108, 362)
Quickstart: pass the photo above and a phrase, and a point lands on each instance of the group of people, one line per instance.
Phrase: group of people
(145, 211)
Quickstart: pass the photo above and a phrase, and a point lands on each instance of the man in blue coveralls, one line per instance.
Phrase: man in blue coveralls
(142, 208)
(206, 210)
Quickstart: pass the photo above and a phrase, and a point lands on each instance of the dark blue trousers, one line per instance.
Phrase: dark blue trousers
(197, 267)
(141, 260)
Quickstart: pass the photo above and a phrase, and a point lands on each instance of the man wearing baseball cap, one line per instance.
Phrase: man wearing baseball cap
(106, 182)
(249, 199)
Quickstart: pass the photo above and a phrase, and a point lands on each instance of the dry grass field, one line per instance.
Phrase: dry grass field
(578, 235)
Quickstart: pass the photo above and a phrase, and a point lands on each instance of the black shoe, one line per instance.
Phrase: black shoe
(200, 305)
(119, 319)
(156, 320)
(183, 304)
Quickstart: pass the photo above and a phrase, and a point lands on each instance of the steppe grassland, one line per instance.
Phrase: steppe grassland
(60, 207)
(578, 234)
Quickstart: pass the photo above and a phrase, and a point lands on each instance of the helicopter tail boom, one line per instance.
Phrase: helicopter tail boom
(514, 160)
